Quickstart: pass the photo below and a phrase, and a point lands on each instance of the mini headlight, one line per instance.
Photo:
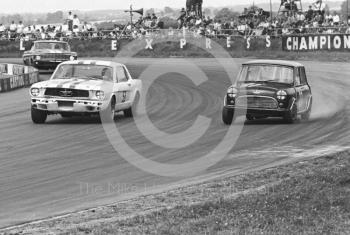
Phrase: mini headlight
(72, 58)
(35, 92)
(38, 57)
(281, 95)
(100, 95)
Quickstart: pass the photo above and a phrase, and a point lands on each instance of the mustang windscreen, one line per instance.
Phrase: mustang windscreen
(81, 71)
(263, 73)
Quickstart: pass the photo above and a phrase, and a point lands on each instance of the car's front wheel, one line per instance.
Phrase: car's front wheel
(38, 116)
(227, 115)
(132, 111)
(108, 115)
(292, 116)
(306, 116)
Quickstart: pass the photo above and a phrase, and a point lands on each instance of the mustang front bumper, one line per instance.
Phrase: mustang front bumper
(68, 105)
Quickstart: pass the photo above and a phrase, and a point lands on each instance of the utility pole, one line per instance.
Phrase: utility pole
(131, 14)
(347, 12)
(271, 11)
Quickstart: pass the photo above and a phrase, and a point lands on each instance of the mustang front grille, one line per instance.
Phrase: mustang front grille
(70, 93)
(257, 102)
(55, 57)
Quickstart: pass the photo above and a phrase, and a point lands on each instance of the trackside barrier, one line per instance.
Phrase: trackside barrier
(236, 46)
(13, 76)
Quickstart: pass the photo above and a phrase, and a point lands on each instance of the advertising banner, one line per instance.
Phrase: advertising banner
(19, 76)
(333, 42)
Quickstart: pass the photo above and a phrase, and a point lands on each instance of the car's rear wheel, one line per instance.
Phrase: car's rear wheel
(292, 116)
(227, 115)
(132, 111)
(306, 116)
(38, 116)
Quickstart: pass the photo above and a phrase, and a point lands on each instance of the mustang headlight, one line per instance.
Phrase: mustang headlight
(231, 92)
(281, 95)
(38, 57)
(100, 95)
(35, 92)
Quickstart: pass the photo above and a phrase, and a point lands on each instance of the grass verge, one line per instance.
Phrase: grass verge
(309, 197)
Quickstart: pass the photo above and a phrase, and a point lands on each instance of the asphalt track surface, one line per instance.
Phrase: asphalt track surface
(69, 164)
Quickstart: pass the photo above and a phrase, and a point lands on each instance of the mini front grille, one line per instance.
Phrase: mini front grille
(61, 92)
(259, 102)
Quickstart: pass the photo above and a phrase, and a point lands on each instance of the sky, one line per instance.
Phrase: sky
(20, 6)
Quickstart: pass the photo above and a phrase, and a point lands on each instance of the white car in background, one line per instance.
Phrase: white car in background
(79, 88)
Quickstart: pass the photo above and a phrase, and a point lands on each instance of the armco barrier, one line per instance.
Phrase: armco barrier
(15, 76)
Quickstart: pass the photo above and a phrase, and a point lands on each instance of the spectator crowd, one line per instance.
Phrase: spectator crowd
(257, 22)
(72, 27)
(252, 22)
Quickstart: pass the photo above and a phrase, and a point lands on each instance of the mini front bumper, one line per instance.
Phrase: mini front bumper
(68, 105)
(280, 112)
(282, 108)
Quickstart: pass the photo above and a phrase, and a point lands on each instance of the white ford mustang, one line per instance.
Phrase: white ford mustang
(86, 88)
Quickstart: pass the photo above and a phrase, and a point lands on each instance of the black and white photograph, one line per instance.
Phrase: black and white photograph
(175, 117)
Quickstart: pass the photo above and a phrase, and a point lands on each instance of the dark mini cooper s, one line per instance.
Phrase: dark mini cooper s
(47, 54)
(269, 88)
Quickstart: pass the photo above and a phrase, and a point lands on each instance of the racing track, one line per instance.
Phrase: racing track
(42, 167)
